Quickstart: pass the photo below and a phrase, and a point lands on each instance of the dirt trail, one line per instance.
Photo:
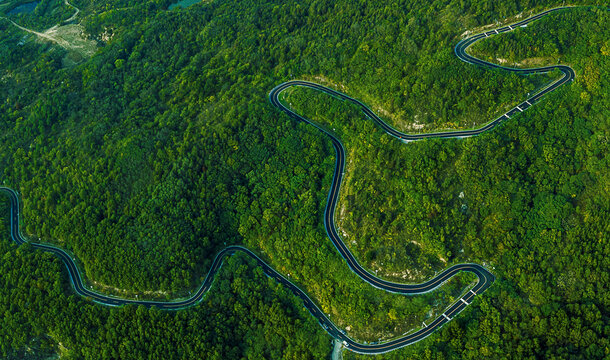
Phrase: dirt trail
(67, 36)
(61, 42)
(74, 15)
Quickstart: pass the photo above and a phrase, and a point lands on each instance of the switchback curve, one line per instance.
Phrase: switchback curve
(485, 278)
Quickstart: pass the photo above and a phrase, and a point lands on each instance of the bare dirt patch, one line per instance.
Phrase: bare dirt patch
(69, 36)
(72, 38)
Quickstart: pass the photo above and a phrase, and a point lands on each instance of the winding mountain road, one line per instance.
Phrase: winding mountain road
(485, 278)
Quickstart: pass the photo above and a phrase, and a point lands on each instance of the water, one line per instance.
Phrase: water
(183, 3)
(24, 8)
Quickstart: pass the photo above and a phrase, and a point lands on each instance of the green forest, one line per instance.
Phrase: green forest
(536, 190)
(41, 318)
(151, 156)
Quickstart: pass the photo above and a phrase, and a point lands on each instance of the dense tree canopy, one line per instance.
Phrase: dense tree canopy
(149, 157)
(538, 208)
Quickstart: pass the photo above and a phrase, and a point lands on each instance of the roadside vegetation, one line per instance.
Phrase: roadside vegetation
(246, 315)
(161, 149)
(538, 203)
(40, 16)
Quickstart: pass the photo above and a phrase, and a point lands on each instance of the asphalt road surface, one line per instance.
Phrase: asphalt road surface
(484, 277)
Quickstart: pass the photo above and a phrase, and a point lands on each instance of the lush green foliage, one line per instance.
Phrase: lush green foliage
(538, 209)
(246, 315)
(158, 161)
(46, 14)
(149, 157)
(142, 128)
